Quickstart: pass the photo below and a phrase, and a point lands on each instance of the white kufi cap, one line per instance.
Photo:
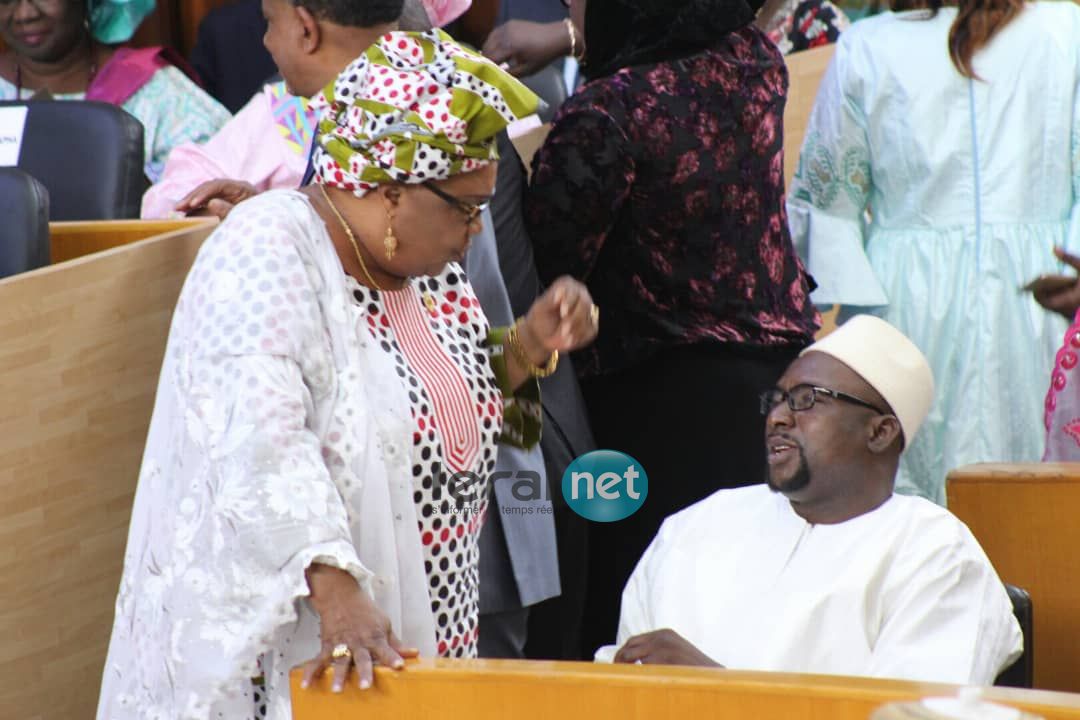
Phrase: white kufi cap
(889, 362)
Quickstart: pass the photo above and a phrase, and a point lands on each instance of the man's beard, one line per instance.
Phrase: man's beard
(796, 482)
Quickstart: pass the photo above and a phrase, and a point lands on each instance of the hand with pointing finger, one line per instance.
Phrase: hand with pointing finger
(564, 318)
(1058, 293)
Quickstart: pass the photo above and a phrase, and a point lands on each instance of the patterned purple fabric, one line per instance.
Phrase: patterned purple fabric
(1062, 407)
(661, 187)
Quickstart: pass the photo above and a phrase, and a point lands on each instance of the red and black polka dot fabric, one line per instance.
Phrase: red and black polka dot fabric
(434, 330)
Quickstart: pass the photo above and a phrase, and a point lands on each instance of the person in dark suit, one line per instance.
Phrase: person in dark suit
(229, 54)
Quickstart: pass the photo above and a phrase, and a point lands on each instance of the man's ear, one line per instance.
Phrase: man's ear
(310, 30)
(884, 431)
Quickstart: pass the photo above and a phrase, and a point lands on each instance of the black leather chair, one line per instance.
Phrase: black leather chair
(88, 155)
(550, 86)
(1021, 673)
(24, 232)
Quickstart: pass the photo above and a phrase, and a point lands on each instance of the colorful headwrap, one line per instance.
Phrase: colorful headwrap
(414, 107)
(444, 12)
(115, 21)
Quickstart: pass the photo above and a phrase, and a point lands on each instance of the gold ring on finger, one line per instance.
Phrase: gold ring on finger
(594, 313)
(341, 651)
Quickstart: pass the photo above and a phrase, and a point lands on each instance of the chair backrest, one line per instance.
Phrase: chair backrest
(88, 155)
(24, 233)
(1021, 673)
(550, 86)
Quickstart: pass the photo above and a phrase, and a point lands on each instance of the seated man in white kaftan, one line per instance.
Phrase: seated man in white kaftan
(825, 569)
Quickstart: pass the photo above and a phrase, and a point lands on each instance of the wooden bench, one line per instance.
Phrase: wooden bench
(495, 690)
(1025, 517)
(70, 240)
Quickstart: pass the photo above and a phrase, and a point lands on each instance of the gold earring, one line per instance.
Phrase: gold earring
(390, 242)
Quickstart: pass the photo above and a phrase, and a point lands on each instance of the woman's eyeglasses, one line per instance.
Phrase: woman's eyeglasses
(471, 211)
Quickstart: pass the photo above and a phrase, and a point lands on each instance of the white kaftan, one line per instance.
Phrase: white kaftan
(280, 437)
(903, 591)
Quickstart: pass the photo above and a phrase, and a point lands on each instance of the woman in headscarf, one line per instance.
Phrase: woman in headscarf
(315, 475)
(661, 187)
(71, 50)
(940, 169)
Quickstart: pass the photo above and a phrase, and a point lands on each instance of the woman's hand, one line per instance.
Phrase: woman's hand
(349, 618)
(564, 318)
(1058, 293)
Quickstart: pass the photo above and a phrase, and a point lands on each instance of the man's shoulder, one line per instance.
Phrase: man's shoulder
(932, 530)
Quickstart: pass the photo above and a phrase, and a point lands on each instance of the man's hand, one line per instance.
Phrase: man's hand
(527, 47)
(1058, 293)
(663, 647)
(216, 197)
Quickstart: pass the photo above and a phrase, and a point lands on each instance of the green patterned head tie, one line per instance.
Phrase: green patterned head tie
(414, 107)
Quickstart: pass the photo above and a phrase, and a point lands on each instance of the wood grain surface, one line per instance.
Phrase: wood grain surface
(1025, 517)
(70, 240)
(494, 690)
(81, 346)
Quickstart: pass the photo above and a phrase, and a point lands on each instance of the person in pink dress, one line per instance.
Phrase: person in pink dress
(1061, 294)
(267, 143)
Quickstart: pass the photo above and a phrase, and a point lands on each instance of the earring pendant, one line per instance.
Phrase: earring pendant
(390, 243)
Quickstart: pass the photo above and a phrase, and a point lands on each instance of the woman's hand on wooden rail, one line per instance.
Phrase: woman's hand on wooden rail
(350, 619)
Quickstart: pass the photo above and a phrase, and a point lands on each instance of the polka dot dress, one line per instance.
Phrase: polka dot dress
(432, 330)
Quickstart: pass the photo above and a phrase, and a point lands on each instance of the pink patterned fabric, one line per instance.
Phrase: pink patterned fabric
(1062, 408)
(444, 12)
(125, 73)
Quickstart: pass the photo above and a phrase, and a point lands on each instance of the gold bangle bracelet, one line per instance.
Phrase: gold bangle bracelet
(573, 37)
(536, 371)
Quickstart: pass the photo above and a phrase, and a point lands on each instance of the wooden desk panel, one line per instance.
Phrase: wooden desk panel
(1025, 517)
(495, 690)
(70, 240)
(80, 351)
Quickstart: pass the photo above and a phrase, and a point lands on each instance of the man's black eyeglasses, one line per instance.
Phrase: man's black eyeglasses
(470, 210)
(803, 397)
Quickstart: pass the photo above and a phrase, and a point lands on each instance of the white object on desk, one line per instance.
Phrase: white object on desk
(12, 125)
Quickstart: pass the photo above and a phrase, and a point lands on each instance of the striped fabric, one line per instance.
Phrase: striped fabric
(445, 383)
